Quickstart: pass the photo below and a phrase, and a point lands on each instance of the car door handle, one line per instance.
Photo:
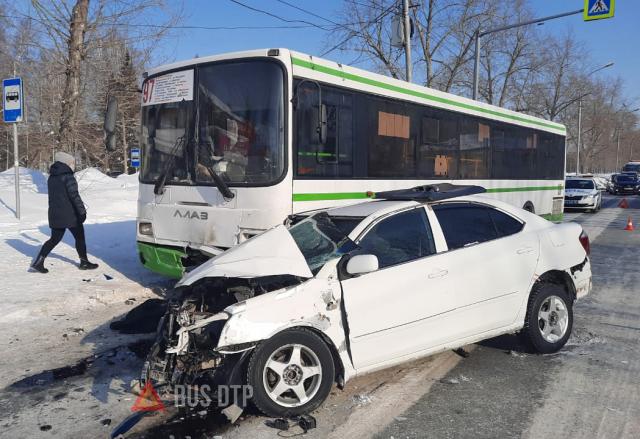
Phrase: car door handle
(438, 273)
(524, 250)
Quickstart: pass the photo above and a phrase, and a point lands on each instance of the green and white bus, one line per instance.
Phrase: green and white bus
(232, 144)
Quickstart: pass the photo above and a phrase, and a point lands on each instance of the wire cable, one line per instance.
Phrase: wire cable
(270, 14)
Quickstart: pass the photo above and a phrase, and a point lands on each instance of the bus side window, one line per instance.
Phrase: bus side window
(334, 157)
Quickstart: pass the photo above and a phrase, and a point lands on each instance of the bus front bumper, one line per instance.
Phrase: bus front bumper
(162, 259)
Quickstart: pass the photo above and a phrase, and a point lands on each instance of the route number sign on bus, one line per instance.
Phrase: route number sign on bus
(172, 87)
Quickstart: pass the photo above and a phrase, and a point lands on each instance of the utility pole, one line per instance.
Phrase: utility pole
(579, 134)
(618, 151)
(407, 38)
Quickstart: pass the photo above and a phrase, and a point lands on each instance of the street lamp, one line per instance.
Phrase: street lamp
(609, 64)
(481, 33)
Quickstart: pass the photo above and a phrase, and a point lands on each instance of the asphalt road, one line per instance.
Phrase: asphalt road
(590, 389)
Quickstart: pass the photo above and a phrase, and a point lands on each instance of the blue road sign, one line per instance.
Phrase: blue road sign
(597, 9)
(12, 100)
(135, 157)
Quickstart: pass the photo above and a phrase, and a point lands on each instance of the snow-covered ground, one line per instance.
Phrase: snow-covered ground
(53, 320)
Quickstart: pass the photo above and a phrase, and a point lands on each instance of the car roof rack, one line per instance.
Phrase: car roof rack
(431, 192)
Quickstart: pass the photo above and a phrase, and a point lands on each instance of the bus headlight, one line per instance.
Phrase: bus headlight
(145, 229)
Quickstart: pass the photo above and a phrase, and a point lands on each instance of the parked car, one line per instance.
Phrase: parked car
(582, 193)
(626, 183)
(345, 291)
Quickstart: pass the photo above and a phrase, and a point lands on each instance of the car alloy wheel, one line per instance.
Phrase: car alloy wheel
(553, 319)
(292, 375)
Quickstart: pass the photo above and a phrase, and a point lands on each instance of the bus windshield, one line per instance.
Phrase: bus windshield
(233, 127)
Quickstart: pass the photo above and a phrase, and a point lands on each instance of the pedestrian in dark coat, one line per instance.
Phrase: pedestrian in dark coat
(66, 211)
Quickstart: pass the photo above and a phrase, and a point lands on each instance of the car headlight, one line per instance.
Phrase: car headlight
(145, 229)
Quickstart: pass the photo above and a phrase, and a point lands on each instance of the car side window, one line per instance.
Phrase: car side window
(505, 225)
(400, 238)
(464, 224)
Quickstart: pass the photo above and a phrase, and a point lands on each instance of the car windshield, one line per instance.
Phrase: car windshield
(229, 122)
(579, 184)
(625, 179)
(635, 167)
(320, 240)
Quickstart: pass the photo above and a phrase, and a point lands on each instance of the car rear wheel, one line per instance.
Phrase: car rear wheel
(549, 318)
(291, 373)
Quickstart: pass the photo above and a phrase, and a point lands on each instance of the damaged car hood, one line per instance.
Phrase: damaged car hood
(273, 252)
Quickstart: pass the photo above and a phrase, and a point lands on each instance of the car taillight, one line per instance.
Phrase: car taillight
(584, 240)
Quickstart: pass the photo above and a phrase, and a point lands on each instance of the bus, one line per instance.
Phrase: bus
(233, 144)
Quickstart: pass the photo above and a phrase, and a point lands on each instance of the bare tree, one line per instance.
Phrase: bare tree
(76, 54)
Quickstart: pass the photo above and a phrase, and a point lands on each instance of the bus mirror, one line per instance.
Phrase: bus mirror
(110, 123)
(322, 124)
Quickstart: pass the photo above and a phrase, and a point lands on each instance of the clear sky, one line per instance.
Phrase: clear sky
(612, 40)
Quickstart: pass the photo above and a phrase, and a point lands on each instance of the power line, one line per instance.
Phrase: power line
(270, 14)
(159, 26)
(307, 12)
(353, 33)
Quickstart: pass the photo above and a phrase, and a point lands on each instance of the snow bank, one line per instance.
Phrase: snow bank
(30, 180)
(128, 181)
(90, 179)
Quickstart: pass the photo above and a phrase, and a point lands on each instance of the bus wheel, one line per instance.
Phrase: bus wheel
(528, 206)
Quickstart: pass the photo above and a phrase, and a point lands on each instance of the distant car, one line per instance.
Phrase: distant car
(611, 183)
(350, 290)
(601, 183)
(582, 193)
(626, 184)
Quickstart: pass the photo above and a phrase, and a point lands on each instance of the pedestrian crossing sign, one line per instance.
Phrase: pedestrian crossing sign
(598, 9)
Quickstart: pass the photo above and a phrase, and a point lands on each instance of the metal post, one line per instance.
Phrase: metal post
(579, 135)
(407, 38)
(618, 151)
(16, 166)
(476, 66)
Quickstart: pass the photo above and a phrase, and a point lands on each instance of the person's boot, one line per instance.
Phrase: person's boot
(86, 265)
(38, 264)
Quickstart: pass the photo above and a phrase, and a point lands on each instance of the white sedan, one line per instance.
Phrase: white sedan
(350, 290)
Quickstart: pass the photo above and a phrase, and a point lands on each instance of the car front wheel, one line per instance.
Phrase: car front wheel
(291, 373)
(549, 318)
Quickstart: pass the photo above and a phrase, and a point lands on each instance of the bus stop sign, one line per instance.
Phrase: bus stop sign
(135, 157)
(12, 100)
(598, 9)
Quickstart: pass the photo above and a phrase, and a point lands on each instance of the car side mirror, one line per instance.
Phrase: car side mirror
(361, 264)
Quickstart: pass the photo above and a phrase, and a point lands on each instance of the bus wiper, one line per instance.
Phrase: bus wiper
(158, 188)
(221, 185)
